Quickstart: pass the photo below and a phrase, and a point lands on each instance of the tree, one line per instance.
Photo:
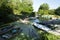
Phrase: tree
(15, 5)
(44, 9)
(9, 9)
(44, 6)
(3, 2)
(6, 12)
(57, 11)
(52, 12)
(20, 5)
(26, 7)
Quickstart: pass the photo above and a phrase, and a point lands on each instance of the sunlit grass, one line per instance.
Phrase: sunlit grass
(47, 36)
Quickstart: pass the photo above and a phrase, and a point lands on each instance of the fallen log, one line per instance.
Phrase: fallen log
(46, 29)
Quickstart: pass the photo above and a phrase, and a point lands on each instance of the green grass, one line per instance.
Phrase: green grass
(47, 36)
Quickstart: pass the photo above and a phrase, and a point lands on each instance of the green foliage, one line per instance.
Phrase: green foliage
(52, 12)
(15, 5)
(19, 6)
(3, 2)
(44, 6)
(42, 12)
(57, 11)
(6, 13)
(10, 8)
(44, 9)
(26, 8)
(47, 36)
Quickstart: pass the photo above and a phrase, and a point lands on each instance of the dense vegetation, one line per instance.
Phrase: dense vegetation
(44, 9)
(12, 10)
(57, 11)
